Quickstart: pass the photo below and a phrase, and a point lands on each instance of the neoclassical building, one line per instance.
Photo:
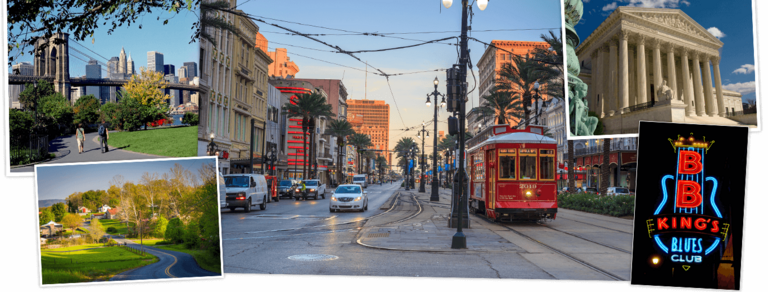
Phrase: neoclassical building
(657, 65)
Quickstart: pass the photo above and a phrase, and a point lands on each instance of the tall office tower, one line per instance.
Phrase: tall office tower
(24, 69)
(169, 69)
(375, 121)
(122, 63)
(191, 69)
(92, 71)
(131, 66)
(183, 72)
(155, 61)
(112, 68)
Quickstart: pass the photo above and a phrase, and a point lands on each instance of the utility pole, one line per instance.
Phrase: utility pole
(459, 239)
(253, 126)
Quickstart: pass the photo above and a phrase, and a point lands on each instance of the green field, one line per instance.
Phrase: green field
(99, 264)
(169, 142)
(121, 228)
(147, 241)
(203, 258)
(69, 232)
(76, 247)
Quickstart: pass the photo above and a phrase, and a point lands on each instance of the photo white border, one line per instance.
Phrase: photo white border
(37, 219)
(744, 215)
(610, 136)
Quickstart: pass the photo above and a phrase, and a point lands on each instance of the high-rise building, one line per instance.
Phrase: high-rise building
(169, 69)
(491, 63)
(122, 63)
(112, 68)
(375, 116)
(92, 71)
(191, 69)
(155, 61)
(23, 69)
(183, 72)
(131, 66)
(282, 65)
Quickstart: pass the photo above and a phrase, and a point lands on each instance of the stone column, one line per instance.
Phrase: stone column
(632, 78)
(698, 92)
(593, 87)
(642, 96)
(613, 70)
(687, 90)
(711, 104)
(623, 71)
(604, 81)
(657, 75)
(671, 72)
(721, 110)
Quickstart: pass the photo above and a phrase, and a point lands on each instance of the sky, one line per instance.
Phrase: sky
(730, 21)
(407, 109)
(172, 40)
(60, 181)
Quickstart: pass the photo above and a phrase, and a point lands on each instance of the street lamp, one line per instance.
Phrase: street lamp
(536, 86)
(213, 149)
(434, 196)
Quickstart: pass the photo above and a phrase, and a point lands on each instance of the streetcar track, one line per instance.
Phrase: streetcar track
(564, 254)
(592, 241)
(630, 223)
(582, 222)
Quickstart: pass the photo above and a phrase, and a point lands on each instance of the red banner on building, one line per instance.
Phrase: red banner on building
(628, 157)
(614, 158)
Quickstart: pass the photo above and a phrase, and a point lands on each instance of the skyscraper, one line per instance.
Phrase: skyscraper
(131, 66)
(155, 61)
(375, 121)
(92, 71)
(191, 69)
(112, 68)
(122, 64)
(183, 72)
(169, 69)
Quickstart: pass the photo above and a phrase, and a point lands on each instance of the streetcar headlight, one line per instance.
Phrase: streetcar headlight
(527, 193)
(358, 199)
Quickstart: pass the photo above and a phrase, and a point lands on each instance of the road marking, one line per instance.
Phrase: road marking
(287, 235)
(168, 269)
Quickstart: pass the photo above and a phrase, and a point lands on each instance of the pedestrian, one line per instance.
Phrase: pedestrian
(304, 190)
(103, 136)
(80, 136)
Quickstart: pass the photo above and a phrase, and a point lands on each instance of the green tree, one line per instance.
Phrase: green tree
(71, 221)
(109, 112)
(191, 118)
(87, 109)
(56, 113)
(192, 235)
(520, 76)
(59, 211)
(97, 230)
(29, 96)
(174, 231)
(20, 122)
(361, 142)
(28, 20)
(160, 227)
(502, 106)
(46, 216)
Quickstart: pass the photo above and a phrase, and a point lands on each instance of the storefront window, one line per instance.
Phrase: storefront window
(528, 164)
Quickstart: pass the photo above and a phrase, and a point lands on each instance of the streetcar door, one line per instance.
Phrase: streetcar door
(491, 203)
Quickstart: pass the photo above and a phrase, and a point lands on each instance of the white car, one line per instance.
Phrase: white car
(245, 191)
(613, 191)
(222, 191)
(349, 197)
(315, 189)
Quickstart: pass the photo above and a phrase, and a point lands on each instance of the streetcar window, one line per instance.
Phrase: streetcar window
(547, 167)
(507, 167)
(527, 167)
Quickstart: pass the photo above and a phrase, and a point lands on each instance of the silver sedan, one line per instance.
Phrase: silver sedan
(349, 197)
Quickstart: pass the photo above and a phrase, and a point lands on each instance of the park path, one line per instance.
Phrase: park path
(66, 151)
(170, 264)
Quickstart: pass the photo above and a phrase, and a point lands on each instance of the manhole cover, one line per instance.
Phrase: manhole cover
(312, 257)
(371, 235)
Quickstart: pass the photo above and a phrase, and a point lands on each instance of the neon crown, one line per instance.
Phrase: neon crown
(691, 142)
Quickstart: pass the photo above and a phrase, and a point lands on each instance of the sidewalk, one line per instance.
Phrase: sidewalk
(429, 230)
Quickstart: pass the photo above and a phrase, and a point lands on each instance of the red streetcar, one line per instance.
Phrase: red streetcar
(512, 174)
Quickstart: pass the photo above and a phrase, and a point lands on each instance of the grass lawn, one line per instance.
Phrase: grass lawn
(89, 265)
(78, 231)
(121, 228)
(170, 142)
(147, 241)
(75, 247)
(203, 258)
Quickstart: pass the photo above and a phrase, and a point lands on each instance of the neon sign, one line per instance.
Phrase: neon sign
(687, 224)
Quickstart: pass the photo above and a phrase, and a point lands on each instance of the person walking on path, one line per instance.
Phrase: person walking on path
(80, 137)
(103, 136)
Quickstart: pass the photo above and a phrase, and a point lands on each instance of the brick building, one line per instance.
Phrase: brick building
(282, 66)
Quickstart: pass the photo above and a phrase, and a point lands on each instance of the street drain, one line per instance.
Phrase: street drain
(312, 257)
(372, 235)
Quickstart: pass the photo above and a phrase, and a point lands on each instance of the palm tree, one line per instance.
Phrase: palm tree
(340, 129)
(502, 106)
(381, 161)
(308, 107)
(360, 141)
(521, 78)
(403, 148)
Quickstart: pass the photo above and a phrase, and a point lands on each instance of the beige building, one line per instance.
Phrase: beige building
(216, 73)
(657, 65)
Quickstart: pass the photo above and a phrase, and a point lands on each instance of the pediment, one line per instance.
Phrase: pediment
(670, 19)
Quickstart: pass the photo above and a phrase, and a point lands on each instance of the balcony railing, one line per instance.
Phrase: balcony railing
(639, 107)
(599, 149)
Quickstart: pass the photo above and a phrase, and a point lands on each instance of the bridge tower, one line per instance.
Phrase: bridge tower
(53, 60)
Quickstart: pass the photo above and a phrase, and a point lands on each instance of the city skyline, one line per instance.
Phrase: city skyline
(137, 42)
(408, 110)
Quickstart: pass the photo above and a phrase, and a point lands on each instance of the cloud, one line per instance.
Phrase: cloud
(743, 88)
(716, 32)
(657, 3)
(610, 7)
(745, 69)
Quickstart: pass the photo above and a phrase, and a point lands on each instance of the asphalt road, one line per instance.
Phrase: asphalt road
(277, 240)
(170, 264)
(66, 151)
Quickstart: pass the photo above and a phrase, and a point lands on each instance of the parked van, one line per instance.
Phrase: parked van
(222, 191)
(361, 179)
(246, 190)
